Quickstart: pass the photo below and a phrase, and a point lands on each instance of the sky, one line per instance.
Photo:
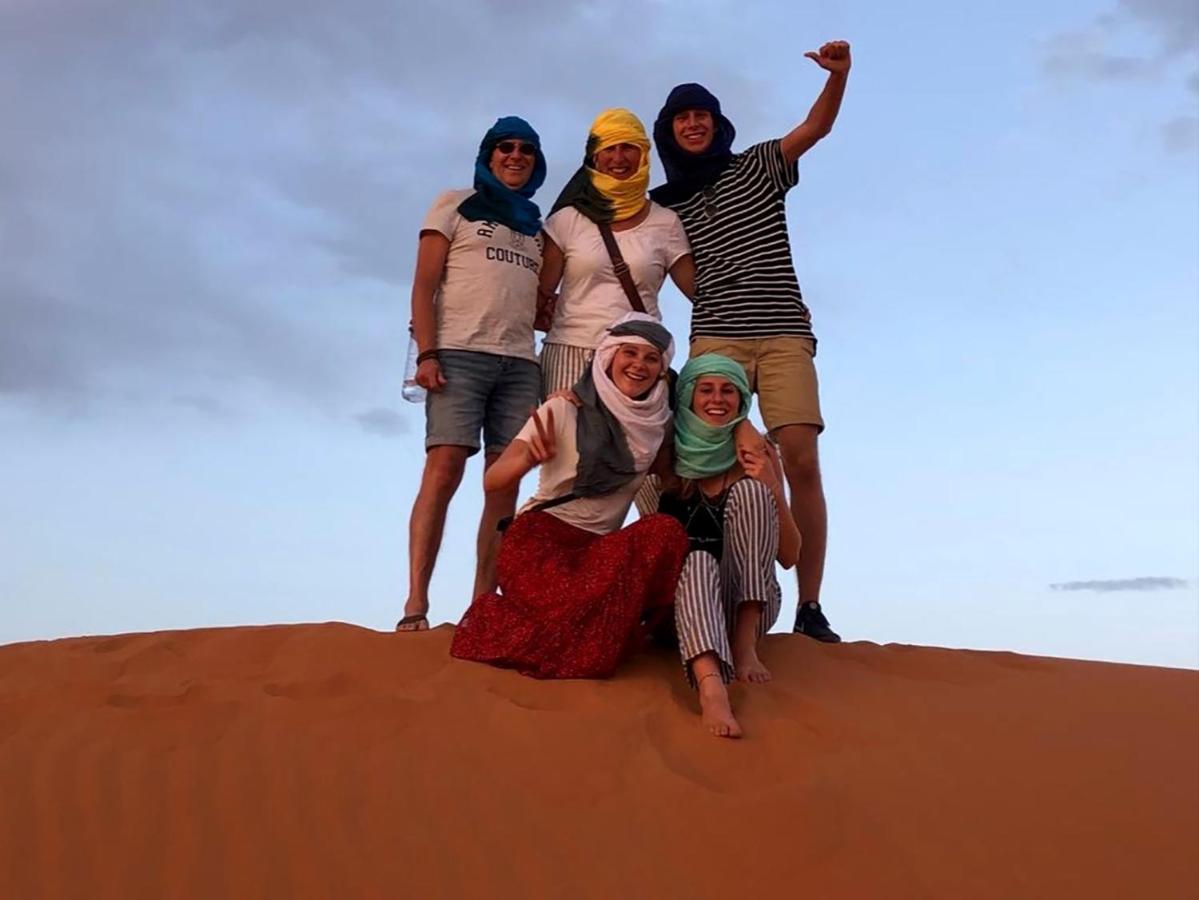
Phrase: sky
(209, 226)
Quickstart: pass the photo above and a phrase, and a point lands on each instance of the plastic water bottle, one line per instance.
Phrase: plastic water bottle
(411, 391)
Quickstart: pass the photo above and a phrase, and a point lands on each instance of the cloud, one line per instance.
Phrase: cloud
(1181, 135)
(1145, 583)
(382, 421)
(221, 200)
(1143, 41)
(208, 407)
(1170, 28)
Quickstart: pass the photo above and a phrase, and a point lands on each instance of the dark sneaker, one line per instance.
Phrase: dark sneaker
(810, 620)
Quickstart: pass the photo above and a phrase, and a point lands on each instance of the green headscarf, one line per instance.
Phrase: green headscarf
(701, 449)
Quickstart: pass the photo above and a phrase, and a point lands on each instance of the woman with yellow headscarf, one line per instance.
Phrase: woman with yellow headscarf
(581, 292)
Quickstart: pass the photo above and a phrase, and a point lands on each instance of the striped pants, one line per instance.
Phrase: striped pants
(710, 593)
(562, 365)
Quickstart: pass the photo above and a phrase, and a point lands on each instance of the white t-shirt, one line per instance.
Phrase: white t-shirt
(488, 295)
(600, 515)
(591, 297)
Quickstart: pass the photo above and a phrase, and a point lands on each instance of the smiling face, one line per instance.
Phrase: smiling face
(694, 130)
(635, 369)
(716, 400)
(512, 162)
(621, 161)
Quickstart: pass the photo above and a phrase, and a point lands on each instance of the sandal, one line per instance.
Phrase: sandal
(418, 622)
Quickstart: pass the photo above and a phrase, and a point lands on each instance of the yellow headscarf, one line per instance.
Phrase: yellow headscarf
(619, 126)
(601, 197)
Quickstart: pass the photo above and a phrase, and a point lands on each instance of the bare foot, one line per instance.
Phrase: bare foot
(715, 709)
(748, 667)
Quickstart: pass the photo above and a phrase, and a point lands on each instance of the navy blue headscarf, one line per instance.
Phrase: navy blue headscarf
(687, 173)
(493, 201)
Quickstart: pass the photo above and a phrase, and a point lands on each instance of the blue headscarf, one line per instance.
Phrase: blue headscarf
(701, 449)
(687, 173)
(493, 201)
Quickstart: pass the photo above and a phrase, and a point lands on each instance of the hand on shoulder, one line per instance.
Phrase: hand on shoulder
(762, 464)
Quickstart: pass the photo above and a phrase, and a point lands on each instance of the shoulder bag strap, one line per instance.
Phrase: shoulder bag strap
(621, 267)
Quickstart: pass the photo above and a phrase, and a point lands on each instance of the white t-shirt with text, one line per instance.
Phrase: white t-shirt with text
(488, 295)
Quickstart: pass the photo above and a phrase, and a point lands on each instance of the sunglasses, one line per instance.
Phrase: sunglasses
(525, 148)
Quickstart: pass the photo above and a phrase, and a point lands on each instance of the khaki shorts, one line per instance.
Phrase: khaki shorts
(781, 372)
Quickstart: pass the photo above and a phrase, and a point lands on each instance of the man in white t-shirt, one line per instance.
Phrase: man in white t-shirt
(474, 297)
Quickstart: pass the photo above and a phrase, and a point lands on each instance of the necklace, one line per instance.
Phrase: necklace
(719, 498)
(714, 508)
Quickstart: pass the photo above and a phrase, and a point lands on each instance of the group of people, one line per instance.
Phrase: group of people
(564, 589)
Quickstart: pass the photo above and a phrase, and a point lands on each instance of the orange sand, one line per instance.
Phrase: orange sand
(328, 761)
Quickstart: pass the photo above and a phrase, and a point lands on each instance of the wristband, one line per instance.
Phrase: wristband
(428, 354)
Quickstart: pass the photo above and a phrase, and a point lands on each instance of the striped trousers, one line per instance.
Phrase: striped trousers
(710, 593)
(562, 365)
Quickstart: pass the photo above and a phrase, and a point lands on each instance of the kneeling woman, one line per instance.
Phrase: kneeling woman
(574, 585)
(738, 523)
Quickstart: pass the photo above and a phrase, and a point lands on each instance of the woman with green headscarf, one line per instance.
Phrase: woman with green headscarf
(610, 190)
(736, 516)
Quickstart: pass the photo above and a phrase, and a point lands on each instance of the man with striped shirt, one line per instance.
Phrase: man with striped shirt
(748, 305)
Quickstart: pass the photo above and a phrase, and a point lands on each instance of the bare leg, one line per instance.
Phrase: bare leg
(745, 644)
(802, 468)
(496, 505)
(443, 472)
(714, 703)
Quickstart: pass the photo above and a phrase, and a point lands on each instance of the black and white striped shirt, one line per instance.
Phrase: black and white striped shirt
(746, 283)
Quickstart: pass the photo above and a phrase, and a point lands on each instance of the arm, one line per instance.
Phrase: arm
(663, 464)
(520, 457)
(430, 268)
(789, 536)
(834, 58)
(682, 273)
(767, 469)
(514, 464)
(747, 439)
(552, 264)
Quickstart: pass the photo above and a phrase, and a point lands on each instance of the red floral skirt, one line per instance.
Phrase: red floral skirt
(571, 602)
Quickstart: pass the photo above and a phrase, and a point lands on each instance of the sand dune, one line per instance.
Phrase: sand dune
(331, 761)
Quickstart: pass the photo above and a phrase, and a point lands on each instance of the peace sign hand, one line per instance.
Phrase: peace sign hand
(544, 444)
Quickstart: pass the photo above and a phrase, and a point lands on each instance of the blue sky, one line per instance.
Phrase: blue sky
(209, 230)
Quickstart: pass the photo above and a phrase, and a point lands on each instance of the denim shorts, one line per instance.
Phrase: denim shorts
(483, 392)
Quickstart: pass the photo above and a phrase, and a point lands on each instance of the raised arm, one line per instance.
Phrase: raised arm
(430, 267)
(834, 58)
